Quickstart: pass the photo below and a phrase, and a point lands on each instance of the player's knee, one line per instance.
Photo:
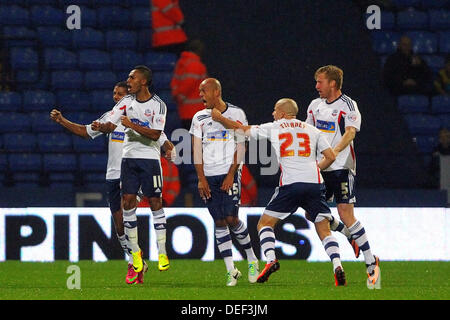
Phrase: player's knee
(129, 201)
(155, 203)
(232, 221)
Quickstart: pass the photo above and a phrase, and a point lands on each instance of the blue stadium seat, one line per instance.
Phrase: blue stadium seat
(3, 162)
(38, 100)
(387, 20)
(10, 101)
(440, 104)
(165, 96)
(88, 17)
(423, 42)
(160, 61)
(82, 117)
(426, 143)
(385, 42)
(40, 2)
(14, 122)
(412, 19)
(434, 61)
(111, 2)
(88, 38)
(23, 58)
(93, 162)
(59, 59)
(14, 15)
(141, 17)
(56, 177)
(47, 16)
(413, 103)
(113, 17)
(73, 100)
(144, 41)
(172, 122)
(102, 100)
(94, 80)
(121, 39)
(23, 142)
(439, 19)
(25, 162)
(41, 122)
(68, 79)
(28, 77)
(94, 177)
(422, 124)
(93, 59)
(66, 3)
(54, 36)
(54, 142)
(427, 4)
(60, 162)
(161, 80)
(19, 36)
(89, 145)
(445, 120)
(125, 60)
(406, 3)
(444, 42)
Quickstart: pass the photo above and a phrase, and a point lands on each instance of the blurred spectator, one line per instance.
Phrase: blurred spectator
(171, 184)
(249, 189)
(188, 74)
(167, 21)
(442, 82)
(405, 72)
(442, 149)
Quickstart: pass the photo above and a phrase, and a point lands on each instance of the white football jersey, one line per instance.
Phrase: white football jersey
(115, 147)
(218, 142)
(150, 114)
(296, 144)
(332, 119)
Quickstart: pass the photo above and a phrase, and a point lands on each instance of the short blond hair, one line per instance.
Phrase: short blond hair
(332, 73)
(288, 105)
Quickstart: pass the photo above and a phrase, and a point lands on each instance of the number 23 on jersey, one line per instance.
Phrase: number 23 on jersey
(286, 148)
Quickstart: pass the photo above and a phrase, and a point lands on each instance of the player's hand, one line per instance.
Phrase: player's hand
(227, 183)
(216, 115)
(56, 115)
(203, 189)
(170, 155)
(96, 125)
(126, 122)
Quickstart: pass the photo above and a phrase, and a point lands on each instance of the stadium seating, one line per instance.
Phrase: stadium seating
(120, 39)
(440, 104)
(10, 101)
(14, 122)
(29, 79)
(101, 100)
(434, 61)
(89, 145)
(88, 38)
(92, 59)
(59, 59)
(59, 162)
(93, 162)
(413, 103)
(73, 100)
(14, 15)
(94, 80)
(439, 19)
(38, 100)
(444, 41)
(161, 80)
(411, 19)
(140, 17)
(426, 144)
(422, 124)
(25, 162)
(160, 61)
(20, 142)
(125, 60)
(54, 36)
(24, 58)
(41, 122)
(423, 41)
(113, 17)
(46, 15)
(68, 79)
(54, 142)
(19, 36)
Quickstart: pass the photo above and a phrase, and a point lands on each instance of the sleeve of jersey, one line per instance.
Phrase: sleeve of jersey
(196, 129)
(93, 134)
(162, 138)
(159, 120)
(353, 117)
(262, 131)
(322, 142)
(309, 116)
(114, 115)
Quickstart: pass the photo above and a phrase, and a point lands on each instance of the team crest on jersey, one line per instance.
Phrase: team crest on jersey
(335, 113)
(149, 113)
(326, 126)
(352, 117)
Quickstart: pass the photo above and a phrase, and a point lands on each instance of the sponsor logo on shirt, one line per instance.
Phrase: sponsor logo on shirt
(141, 123)
(117, 136)
(325, 126)
(221, 135)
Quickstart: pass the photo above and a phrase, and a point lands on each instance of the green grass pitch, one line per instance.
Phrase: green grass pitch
(198, 280)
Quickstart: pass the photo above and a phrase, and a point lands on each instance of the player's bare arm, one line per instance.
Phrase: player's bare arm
(203, 186)
(328, 158)
(75, 128)
(347, 138)
(216, 115)
(107, 127)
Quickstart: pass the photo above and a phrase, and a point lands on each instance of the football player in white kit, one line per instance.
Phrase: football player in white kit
(296, 144)
(218, 158)
(338, 117)
(143, 115)
(115, 144)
